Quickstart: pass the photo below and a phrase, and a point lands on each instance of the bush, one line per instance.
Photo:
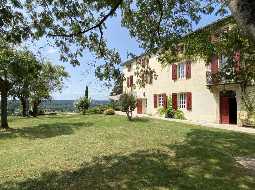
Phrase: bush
(99, 109)
(169, 112)
(83, 104)
(115, 104)
(109, 112)
(94, 110)
(162, 111)
(179, 114)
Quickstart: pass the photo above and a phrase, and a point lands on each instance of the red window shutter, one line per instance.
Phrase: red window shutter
(174, 101)
(189, 100)
(165, 101)
(147, 61)
(150, 79)
(143, 62)
(174, 72)
(128, 82)
(131, 80)
(129, 68)
(188, 70)
(155, 97)
(214, 64)
(237, 58)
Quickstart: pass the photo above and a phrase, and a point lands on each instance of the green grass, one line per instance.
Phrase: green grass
(108, 152)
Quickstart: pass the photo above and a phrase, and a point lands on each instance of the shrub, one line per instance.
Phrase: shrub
(178, 114)
(83, 104)
(102, 108)
(116, 105)
(128, 104)
(169, 112)
(94, 110)
(99, 109)
(109, 112)
(162, 111)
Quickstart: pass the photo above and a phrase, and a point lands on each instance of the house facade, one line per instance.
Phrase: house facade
(192, 87)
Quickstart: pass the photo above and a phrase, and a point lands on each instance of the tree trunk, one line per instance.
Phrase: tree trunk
(244, 13)
(4, 113)
(129, 115)
(35, 106)
(25, 106)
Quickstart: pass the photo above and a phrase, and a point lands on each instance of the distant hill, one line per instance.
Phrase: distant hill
(53, 105)
(67, 105)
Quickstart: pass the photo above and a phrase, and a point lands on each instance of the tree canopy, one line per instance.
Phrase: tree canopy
(75, 26)
(22, 75)
(50, 79)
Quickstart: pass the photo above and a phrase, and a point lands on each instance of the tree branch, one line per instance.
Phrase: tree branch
(243, 11)
(98, 25)
(101, 40)
(160, 18)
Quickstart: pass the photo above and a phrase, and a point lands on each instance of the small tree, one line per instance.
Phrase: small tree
(128, 104)
(87, 92)
(83, 104)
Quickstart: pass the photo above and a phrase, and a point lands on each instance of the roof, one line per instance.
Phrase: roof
(219, 21)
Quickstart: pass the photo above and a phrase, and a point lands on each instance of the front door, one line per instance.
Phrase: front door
(139, 105)
(224, 110)
(228, 107)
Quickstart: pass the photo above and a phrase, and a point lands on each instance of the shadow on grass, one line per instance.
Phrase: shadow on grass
(140, 120)
(44, 130)
(204, 160)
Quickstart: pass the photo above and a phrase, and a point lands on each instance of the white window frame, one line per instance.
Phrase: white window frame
(160, 100)
(182, 101)
(181, 71)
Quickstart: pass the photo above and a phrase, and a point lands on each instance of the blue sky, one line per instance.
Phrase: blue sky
(83, 75)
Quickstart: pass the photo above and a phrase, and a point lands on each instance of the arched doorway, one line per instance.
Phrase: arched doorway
(228, 107)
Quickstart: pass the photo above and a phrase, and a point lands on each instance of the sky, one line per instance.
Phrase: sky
(80, 76)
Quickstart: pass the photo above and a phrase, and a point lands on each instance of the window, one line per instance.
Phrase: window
(222, 61)
(182, 100)
(149, 78)
(161, 100)
(131, 81)
(181, 71)
(129, 67)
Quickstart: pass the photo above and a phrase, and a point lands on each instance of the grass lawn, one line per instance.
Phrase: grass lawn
(108, 152)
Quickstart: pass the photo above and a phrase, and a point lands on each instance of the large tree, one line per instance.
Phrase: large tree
(118, 84)
(27, 71)
(10, 64)
(75, 26)
(50, 79)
